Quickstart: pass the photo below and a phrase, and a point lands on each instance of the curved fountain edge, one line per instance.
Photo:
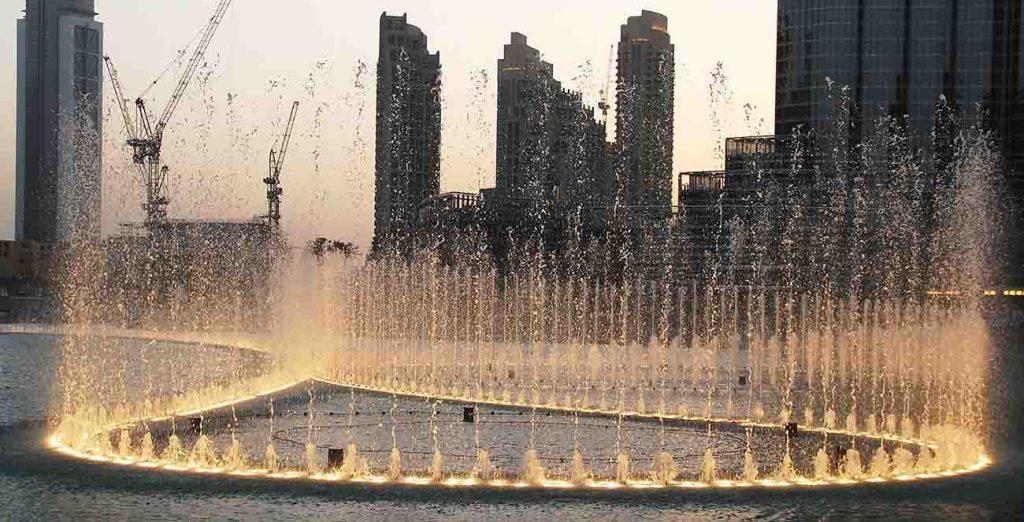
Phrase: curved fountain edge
(55, 443)
(234, 340)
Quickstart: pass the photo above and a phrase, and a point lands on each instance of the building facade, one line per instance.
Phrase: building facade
(206, 274)
(549, 145)
(408, 150)
(59, 128)
(897, 59)
(644, 111)
(525, 122)
(930, 68)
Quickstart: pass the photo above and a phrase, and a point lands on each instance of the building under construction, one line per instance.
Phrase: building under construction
(196, 273)
(202, 274)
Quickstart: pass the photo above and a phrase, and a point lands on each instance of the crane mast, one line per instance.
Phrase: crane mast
(273, 179)
(605, 93)
(146, 138)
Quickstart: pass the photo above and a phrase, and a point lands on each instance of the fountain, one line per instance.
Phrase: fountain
(831, 354)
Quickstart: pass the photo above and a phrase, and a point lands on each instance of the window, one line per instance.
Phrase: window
(80, 64)
(87, 39)
(92, 66)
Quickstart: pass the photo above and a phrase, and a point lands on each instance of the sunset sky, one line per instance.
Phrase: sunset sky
(268, 53)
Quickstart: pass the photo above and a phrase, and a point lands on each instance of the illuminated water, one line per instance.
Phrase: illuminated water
(38, 484)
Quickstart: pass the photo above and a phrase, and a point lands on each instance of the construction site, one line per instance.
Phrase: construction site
(224, 263)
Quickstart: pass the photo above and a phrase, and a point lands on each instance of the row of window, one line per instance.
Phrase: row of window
(401, 40)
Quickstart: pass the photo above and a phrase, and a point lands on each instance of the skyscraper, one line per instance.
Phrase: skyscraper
(901, 59)
(644, 110)
(935, 66)
(525, 124)
(549, 146)
(59, 129)
(408, 156)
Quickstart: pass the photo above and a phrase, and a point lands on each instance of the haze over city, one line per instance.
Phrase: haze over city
(265, 57)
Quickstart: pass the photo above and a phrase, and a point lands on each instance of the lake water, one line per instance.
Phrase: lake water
(37, 484)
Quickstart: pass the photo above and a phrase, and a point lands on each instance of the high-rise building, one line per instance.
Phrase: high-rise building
(408, 156)
(644, 111)
(59, 129)
(525, 123)
(901, 59)
(936, 66)
(549, 146)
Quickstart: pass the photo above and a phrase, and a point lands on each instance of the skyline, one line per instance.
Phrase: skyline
(229, 158)
(566, 260)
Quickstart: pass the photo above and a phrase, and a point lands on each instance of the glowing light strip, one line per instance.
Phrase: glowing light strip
(55, 443)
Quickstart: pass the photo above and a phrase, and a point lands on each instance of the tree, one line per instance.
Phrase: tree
(322, 246)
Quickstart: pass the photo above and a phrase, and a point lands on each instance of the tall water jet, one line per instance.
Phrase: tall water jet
(879, 465)
(707, 469)
(533, 470)
(663, 468)
(174, 451)
(436, 467)
(202, 452)
(484, 469)
(622, 468)
(578, 469)
(851, 467)
(270, 458)
(312, 459)
(395, 464)
(235, 457)
(124, 447)
(822, 467)
(749, 466)
(351, 464)
(146, 446)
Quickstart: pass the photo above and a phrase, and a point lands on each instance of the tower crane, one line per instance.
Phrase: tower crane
(603, 104)
(273, 179)
(146, 138)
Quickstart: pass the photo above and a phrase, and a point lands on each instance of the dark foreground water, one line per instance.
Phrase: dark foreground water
(36, 484)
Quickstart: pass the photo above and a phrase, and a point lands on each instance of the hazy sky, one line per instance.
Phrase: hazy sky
(270, 52)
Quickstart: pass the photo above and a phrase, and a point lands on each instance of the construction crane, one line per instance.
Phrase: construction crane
(146, 138)
(273, 179)
(603, 104)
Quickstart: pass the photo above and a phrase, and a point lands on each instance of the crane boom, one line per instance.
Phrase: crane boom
(273, 179)
(286, 138)
(146, 138)
(193, 65)
(122, 101)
